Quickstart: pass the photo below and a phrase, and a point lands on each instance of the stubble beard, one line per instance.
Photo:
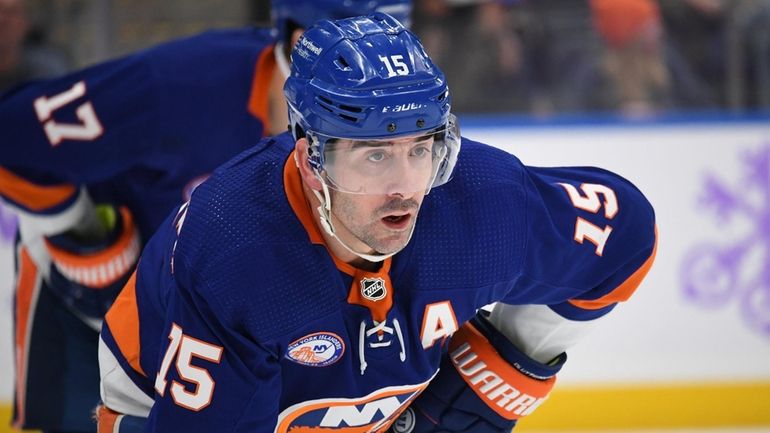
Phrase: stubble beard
(374, 234)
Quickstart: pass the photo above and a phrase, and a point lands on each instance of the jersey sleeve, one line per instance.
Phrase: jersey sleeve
(174, 341)
(212, 377)
(591, 239)
(77, 129)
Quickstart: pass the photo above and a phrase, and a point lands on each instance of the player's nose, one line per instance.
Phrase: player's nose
(404, 178)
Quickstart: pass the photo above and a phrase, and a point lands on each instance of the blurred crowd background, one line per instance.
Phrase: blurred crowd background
(541, 57)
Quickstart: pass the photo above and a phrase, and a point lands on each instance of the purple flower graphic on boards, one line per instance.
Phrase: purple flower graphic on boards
(7, 225)
(722, 271)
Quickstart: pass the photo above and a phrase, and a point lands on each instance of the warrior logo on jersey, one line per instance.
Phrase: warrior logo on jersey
(316, 350)
(371, 413)
(373, 289)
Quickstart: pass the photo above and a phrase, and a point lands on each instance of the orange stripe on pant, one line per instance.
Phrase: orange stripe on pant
(34, 197)
(27, 287)
(123, 322)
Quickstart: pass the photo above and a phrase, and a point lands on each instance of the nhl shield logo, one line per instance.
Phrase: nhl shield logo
(373, 289)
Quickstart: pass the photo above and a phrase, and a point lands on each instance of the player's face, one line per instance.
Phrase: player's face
(383, 223)
(379, 192)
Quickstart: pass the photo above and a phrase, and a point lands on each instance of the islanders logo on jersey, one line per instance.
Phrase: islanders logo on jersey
(316, 350)
(371, 413)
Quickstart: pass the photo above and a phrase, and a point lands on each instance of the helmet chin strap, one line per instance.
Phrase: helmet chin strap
(325, 217)
(280, 58)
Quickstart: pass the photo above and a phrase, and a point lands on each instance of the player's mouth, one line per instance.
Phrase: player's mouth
(397, 221)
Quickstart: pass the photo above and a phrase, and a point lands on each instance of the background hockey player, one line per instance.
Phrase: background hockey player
(93, 161)
(319, 280)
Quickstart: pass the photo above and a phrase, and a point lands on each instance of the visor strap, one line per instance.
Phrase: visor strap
(325, 218)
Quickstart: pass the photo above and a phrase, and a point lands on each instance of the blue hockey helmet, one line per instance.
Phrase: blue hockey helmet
(287, 14)
(365, 84)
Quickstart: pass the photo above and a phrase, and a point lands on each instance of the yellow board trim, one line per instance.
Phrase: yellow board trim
(709, 405)
(597, 408)
(6, 413)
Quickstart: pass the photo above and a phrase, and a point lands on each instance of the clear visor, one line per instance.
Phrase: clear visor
(401, 165)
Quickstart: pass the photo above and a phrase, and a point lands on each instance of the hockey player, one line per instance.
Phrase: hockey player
(299, 290)
(93, 162)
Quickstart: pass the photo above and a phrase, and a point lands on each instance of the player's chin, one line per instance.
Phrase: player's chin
(392, 241)
(390, 247)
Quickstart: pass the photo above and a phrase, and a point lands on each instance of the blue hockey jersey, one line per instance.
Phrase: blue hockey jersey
(238, 319)
(140, 131)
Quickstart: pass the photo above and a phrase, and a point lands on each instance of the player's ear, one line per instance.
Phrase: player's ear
(301, 153)
(295, 35)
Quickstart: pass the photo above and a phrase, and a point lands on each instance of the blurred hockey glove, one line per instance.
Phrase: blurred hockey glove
(485, 385)
(91, 262)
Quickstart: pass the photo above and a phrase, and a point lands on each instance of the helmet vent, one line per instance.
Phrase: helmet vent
(345, 112)
(326, 103)
(342, 64)
(351, 108)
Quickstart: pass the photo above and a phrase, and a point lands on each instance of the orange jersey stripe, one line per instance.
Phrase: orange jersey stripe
(623, 291)
(361, 429)
(299, 410)
(123, 321)
(34, 197)
(292, 184)
(25, 294)
(260, 87)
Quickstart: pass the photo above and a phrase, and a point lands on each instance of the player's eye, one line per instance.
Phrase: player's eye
(377, 156)
(420, 151)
